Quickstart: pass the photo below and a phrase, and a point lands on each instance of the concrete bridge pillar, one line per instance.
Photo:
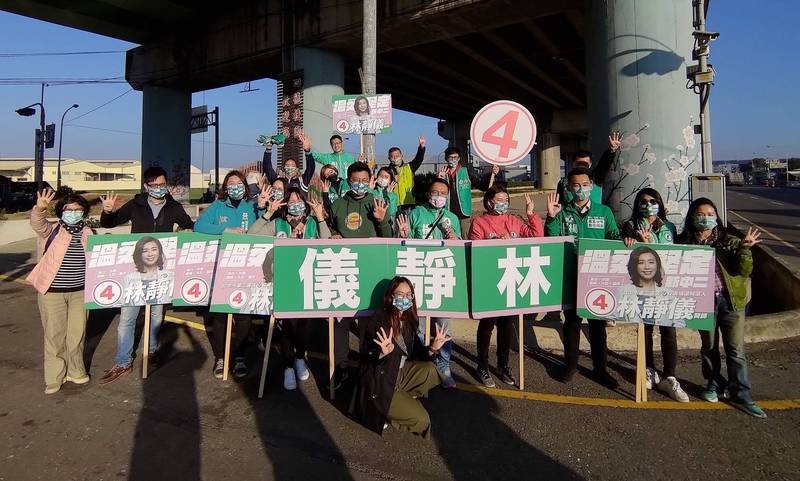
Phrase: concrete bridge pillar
(166, 140)
(548, 160)
(323, 73)
(638, 51)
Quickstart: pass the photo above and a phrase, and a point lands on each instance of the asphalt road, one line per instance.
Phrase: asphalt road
(182, 424)
(776, 211)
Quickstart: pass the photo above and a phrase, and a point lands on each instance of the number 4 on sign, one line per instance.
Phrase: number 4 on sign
(194, 291)
(508, 123)
(108, 292)
(600, 302)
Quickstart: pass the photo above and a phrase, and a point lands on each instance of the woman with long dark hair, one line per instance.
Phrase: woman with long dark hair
(649, 224)
(734, 264)
(395, 368)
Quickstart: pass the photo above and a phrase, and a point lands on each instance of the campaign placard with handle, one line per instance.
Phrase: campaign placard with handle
(194, 269)
(503, 132)
(243, 280)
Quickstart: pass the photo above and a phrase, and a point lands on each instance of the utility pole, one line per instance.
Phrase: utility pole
(216, 148)
(60, 139)
(369, 67)
(701, 78)
(38, 170)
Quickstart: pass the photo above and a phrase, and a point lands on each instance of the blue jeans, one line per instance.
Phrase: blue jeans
(127, 328)
(442, 361)
(730, 327)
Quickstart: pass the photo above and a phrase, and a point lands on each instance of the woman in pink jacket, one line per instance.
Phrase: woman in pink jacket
(497, 223)
(59, 279)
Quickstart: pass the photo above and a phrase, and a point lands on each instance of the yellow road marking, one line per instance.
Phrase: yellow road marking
(18, 280)
(790, 246)
(192, 324)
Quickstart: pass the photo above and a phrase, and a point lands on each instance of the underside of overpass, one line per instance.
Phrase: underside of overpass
(578, 66)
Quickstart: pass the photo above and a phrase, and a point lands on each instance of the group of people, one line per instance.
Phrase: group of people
(395, 367)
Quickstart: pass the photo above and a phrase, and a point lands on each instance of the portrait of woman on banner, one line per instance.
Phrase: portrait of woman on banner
(646, 299)
(149, 283)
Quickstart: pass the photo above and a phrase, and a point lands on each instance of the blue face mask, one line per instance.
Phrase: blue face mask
(401, 303)
(296, 209)
(501, 207)
(359, 188)
(582, 193)
(235, 191)
(72, 217)
(705, 222)
(157, 192)
(277, 194)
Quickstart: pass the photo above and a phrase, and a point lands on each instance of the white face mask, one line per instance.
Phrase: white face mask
(382, 182)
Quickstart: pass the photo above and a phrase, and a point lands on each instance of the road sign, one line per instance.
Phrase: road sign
(199, 120)
(503, 132)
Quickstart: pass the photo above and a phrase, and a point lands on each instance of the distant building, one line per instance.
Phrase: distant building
(88, 175)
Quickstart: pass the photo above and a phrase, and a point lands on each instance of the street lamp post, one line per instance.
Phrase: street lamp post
(61, 138)
(38, 169)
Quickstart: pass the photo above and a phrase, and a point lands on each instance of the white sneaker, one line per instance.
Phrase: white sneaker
(289, 381)
(652, 378)
(52, 389)
(77, 380)
(301, 369)
(672, 387)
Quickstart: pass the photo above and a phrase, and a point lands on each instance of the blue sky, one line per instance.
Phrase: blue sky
(754, 102)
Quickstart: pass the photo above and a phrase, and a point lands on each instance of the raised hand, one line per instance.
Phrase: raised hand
(274, 206)
(392, 186)
(306, 141)
(44, 198)
(317, 209)
(629, 241)
(495, 169)
(529, 205)
(262, 181)
(385, 341)
(326, 186)
(264, 195)
(362, 158)
(402, 226)
(372, 181)
(422, 141)
(442, 336)
(553, 207)
(109, 202)
(614, 141)
(443, 172)
(645, 233)
(752, 238)
(379, 209)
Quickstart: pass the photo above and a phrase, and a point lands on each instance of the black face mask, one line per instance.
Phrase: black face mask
(332, 178)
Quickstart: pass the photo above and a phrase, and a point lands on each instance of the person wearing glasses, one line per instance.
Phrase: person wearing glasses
(153, 210)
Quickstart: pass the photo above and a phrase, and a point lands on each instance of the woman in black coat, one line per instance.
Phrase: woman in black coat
(395, 368)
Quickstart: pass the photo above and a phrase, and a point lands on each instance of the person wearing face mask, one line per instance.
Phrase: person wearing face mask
(59, 278)
(648, 224)
(734, 264)
(395, 368)
(154, 210)
(382, 184)
(582, 218)
(404, 173)
(461, 178)
(357, 214)
(232, 212)
(583, 158)
(340, 159)
(297, 219)
(497, 223)
(434, 221)
(293, 174)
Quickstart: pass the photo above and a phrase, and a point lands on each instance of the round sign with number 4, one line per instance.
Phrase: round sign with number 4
(601, 302)
(503, 132)
(194, 291)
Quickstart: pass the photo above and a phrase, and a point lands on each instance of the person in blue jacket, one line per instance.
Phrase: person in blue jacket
(232, 212)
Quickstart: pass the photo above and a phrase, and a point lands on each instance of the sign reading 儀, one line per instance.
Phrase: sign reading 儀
(519, 276)
(660, 284)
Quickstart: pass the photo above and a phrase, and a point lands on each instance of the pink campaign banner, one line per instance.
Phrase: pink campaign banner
(362, 114)
(244, 274)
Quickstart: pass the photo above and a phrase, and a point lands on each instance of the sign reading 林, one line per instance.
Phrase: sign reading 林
(503, 132)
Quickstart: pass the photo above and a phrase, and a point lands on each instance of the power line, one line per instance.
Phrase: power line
(59, 81)
(100, 106)
(57, 54)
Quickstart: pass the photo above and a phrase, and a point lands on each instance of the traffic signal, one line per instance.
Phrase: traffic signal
(50, 136)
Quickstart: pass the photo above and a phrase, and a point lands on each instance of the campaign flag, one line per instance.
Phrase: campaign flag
(194, 269)
(130, 270)
(659, 284)
(244, 275)
(438, 271)
(362, 114)
(519, 276)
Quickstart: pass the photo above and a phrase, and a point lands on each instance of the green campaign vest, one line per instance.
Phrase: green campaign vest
(284, 230)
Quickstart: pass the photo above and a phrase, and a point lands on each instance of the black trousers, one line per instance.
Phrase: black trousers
(293, 341)
(669, 348)
(572, 337)
(341, 341)
(505, 336)
(216, 325)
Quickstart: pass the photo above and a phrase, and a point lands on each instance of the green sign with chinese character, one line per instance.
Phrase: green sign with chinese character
(519, 276)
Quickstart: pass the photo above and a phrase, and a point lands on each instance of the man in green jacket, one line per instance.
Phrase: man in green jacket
(357, 214)
(338, 158)
(583, 158)
(582, 218)
(461, 178)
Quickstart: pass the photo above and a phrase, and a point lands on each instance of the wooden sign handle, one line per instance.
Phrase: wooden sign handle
(641, 367)
(227, 360)
(521, 353)
(331, 360)
(146, 346)
(266, 357)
